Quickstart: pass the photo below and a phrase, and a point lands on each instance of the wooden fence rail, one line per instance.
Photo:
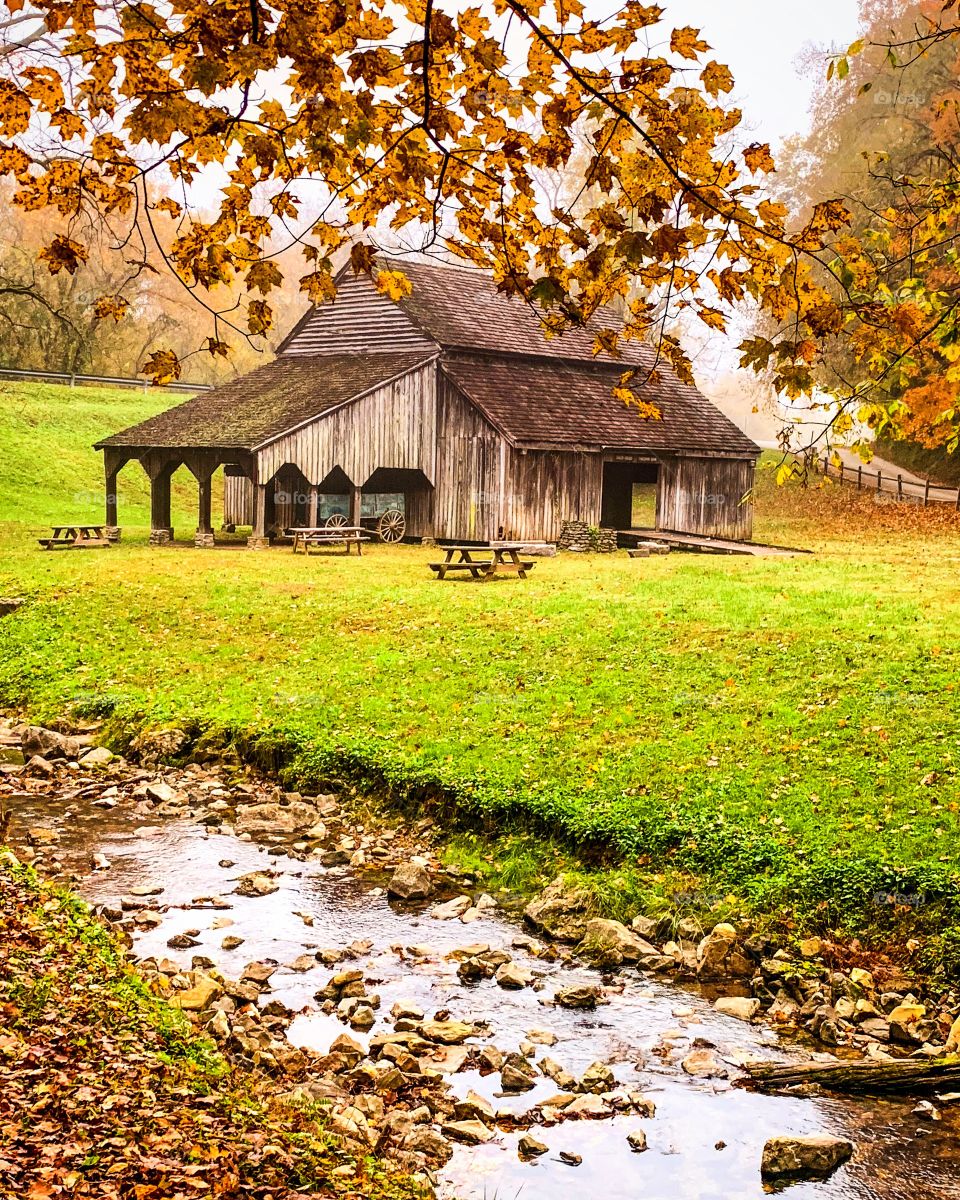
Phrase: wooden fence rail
(71, 380)
(908, 490)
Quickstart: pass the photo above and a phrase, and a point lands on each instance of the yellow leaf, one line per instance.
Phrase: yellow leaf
(393, 284)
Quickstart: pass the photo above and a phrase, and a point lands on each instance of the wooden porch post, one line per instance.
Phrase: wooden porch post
(355, 503)
(161, 531)
(258, 539)
(160, 470)
(112, 465)
(204, 536)
(313, 506)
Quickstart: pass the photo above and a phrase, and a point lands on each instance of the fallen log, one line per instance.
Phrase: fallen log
(860, 1078)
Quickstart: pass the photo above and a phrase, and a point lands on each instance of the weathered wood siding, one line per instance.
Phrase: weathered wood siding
(705, 496)
(393, 426)
(544, 488)
(469, 483)
(360, 319)
(237, 500)
(487, 489)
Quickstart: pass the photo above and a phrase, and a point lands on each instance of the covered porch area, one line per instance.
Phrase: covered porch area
(394, 504)
(160, 466)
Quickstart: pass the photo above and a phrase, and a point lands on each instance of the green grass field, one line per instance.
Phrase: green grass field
(781, 728)
(50, 470)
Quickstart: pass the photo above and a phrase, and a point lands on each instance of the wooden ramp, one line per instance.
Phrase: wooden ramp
(705, 545)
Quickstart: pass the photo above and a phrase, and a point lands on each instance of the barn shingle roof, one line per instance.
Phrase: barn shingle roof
(537, 391)
(538, 402)
(266, 403)
(461, 307)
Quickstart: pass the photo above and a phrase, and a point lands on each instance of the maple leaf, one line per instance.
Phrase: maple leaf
(758, 157)
(163, 366)
(394, 285)
(606, 342)
(717, 78)
(687, 42)
(111, 306)
(264, 276)
(259, 316)
(63, 254)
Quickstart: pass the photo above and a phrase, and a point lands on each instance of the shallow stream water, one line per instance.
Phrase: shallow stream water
(706, 1138)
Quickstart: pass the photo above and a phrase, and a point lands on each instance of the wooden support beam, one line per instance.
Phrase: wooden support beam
(204, 537)
(258, 539)
(161, 531)
(112, 529)
(313, 506)
(113, 464)
(356, 495)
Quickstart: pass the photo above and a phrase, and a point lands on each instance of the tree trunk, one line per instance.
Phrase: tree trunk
(861, 1078)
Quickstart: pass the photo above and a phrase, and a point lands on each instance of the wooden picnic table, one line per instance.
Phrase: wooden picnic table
(74, 537)
(505, 556)
(329, 535)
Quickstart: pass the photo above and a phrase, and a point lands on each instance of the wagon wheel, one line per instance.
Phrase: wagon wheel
(391, 526)
(335, 521)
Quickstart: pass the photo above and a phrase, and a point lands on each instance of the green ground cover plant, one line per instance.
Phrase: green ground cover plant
(783, 730)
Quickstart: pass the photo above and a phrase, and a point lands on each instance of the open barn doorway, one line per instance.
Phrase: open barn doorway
(400, 500)
(629, 496)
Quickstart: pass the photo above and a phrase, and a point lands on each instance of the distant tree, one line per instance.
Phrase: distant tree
(886, 140)
(61, 322)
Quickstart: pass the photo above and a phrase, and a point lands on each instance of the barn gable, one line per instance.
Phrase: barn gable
(359, 321)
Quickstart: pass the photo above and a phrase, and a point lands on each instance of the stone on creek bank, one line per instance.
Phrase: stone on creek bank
(562, 910)
(597, 1078)
(517, 1075)
(275, 818)
(256, 883)
(195, 999)
(744, 1008)
(705, 1064)
(720, 957)
(411, 881)
(48, 744)
(513, 976)
(99, 756)
(426, 1141)
(804, 1157)
(448, 1033)
(471, 1133)
(530, 1147)
(475, 1108)
(158, 745)
(609, 943)
(452, 910)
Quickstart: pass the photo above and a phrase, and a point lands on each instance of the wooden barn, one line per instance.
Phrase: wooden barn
(451, 409)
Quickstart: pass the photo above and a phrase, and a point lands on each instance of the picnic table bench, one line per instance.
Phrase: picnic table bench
(75, 537)
(329, 535)
(503, 557)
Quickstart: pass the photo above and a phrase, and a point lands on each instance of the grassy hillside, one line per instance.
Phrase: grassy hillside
(51, 471)
(782, 728)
